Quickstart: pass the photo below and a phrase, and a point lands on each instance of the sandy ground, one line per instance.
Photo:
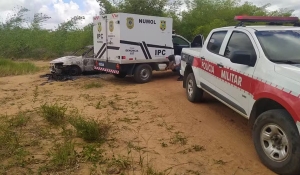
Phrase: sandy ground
(155, 121)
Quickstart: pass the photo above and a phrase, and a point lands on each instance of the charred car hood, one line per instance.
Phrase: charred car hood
(63, 59)
(291, 71)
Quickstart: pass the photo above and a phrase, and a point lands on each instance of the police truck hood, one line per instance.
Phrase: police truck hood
(291, 71)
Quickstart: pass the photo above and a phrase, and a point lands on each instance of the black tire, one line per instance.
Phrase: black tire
(121, 75)
(74, 71)
(193, 93)
(283, 123)
(143, 73)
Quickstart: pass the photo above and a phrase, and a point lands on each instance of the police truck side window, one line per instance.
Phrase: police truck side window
(239, 41)
(216, 41)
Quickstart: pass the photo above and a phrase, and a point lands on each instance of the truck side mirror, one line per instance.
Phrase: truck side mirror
(243, 57)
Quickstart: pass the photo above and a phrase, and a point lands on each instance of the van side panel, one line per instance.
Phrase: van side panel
(145, 38)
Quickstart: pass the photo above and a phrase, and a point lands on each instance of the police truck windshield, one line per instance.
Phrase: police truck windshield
(282, 46)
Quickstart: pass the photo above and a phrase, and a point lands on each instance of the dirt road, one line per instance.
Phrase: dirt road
(154, 123)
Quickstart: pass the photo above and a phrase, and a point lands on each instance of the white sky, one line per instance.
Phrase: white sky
(61, 10)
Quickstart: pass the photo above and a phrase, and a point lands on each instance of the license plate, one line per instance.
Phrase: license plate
(101, 64)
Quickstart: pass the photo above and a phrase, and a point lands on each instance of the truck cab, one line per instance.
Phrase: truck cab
(254, 70)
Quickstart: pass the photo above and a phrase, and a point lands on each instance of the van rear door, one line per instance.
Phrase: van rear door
(99, 32)
(113, 38)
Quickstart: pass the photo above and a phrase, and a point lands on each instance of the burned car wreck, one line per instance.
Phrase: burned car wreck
(78, 62)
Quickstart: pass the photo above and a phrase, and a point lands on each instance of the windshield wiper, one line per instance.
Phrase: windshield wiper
(285, 61)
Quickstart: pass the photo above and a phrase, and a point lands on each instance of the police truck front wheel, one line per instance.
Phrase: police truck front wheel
(143, 73)
(277, 142)
(194, 94)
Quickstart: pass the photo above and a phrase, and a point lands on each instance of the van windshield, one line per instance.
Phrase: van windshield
(281, 45)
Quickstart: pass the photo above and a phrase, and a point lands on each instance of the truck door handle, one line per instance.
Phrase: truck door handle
(220, 65)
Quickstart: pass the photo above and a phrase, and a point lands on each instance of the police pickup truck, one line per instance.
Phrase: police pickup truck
(254, 70)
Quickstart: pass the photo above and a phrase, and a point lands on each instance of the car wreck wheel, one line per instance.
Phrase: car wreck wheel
(74, 71)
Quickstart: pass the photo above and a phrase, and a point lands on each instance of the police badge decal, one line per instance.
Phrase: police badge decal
(99, 27)
(111, 26)
(163, 25)
(130, 23)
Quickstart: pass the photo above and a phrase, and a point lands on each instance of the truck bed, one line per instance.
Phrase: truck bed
(192, 51)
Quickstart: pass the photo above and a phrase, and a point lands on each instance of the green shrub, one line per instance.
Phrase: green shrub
(9, 67)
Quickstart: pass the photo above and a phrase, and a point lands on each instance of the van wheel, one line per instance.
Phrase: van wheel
(194, 94)
(121, 75)
(277, 142)
(74, 71)
(143, 73)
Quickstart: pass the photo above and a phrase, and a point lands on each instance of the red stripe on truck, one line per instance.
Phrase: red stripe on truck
(257, 87)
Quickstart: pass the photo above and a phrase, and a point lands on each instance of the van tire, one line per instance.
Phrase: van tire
(143, 73)
(277, 123)
(193, 93)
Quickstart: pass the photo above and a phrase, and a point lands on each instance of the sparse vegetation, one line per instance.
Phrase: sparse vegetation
(93, 154)
(9, 67)
(93, 85)
(178, 138)
(63, 155)
(90, 130)
(54, 113)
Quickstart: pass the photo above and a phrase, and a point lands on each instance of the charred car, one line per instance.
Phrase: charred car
(80, 61)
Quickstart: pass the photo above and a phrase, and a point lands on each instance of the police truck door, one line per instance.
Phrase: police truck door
(113, 38)
(99, 34)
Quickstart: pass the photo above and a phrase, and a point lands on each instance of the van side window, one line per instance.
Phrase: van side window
(215, 41)
(239, 41)
(179, 41)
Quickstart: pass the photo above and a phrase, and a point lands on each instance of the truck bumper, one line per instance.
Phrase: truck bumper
(106, 67)
(54, 70)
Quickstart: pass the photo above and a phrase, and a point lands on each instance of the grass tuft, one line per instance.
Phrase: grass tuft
(90, 130)
(9, 67)
(63, 155)
(53, 113)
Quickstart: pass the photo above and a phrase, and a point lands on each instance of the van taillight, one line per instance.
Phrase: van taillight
(123, 57)
(96, 63)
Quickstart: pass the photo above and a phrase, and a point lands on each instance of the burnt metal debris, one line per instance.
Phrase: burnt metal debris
(57, 77)
(65, 77)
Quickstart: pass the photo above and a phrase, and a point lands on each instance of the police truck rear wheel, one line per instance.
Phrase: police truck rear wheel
(143, 73)
(277, 141)
(194, 94)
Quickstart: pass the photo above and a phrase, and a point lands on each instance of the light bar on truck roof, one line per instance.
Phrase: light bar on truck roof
(271, 19)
